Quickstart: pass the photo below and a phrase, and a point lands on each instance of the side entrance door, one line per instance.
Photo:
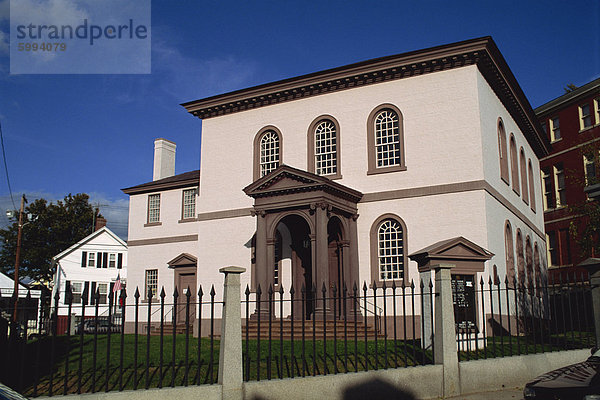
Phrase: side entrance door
(185, 280)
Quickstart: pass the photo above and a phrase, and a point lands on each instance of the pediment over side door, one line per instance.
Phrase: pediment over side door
(183, 260)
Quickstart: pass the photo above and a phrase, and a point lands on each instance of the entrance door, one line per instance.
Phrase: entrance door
(336, 278)
(186, 280)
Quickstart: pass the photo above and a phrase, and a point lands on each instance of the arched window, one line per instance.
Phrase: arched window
(510, 256)
(267, 151)
(502, 152)
(514, 164)
(323, 147)
(538, 269)
(523, 164)
(520, 259)
(385, 140)
(529, 261)
(388, 249)
(531, 186)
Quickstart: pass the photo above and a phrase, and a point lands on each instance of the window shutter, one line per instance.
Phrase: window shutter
(86, 293)
(83, 259)
(104, 260)
(120, 261)
(93, 293)
(67, 287)
(110, 291)
(99, 260)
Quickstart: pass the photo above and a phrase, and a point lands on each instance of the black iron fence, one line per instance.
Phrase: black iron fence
(498, 319)
(153, 342)
(173, 340)
(307, 332)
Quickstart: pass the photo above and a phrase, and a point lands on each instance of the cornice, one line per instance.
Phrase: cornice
(159, 187)
(481, 52)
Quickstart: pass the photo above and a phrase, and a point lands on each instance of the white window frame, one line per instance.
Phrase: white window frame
(559, 191)
(91, 259)
(103, 291)
(390, 250)
(547, 190)
(153, 208)
(112, 260)
(387, 127)
(189, 204)
(269, 156)
(587, 162)
(555, 129)
(597, 109)
(151, 282)
(77, 291)
(326, 148)
(583, 117)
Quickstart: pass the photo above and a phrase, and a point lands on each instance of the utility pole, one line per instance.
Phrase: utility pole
(18, 257)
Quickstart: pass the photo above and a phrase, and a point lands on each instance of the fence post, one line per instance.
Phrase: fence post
(230, 353)
(593, 267)
(445, 349)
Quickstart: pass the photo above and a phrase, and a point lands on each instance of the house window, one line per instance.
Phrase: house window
(325, 148)
(153, 208)
(103, 291)
(589, 168)
(529, 262)
(524, 188)
(551, 248)
(585, 116)
(189, 203)
(531, 185)
(514, 165)
(112, 260)
(559, 185)
(597, 109)
(76, 290)
(548, 193)
(520, 259)
(91, 259)
(385, 140)
(388, 244)
(269, 152)
(502, 152)
(151, 282)
(510, 256)
(544, 128)
(554, 129)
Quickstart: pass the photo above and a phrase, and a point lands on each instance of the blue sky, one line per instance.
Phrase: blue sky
(94, 133)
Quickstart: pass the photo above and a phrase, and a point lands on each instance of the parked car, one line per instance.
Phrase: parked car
(574, 382)
(89, 326)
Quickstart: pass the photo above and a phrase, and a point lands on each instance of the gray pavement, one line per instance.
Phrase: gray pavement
(506, 394)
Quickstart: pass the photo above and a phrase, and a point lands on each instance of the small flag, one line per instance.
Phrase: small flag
(117, 287)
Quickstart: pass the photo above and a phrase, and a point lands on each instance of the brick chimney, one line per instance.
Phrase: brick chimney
(164, 159)
(100, 223)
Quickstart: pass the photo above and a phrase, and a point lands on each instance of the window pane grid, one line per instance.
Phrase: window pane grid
(586, 117)
(269, 153)
(76, 289)
(154, 208)
(325, 148)
(387, 139)
(189, 203)
(390, 250)
(151, 282)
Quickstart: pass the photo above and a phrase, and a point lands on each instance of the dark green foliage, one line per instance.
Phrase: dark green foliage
(57, 227)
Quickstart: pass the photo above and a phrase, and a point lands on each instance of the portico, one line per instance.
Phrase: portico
(313, 220)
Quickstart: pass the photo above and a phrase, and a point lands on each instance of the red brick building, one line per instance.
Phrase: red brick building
(572, 125)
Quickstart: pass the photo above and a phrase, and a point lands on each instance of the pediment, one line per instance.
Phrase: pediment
(288, 180)
(455, 248)
(184, 259)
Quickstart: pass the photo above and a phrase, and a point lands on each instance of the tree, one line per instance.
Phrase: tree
(586, 229)
(57, 227)
(569, 88)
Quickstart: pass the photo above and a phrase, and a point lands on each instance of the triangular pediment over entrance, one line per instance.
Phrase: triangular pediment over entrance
(183, 260)
(287, 180)
(458, 251)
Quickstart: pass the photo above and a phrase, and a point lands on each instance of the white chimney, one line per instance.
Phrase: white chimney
(164, 159)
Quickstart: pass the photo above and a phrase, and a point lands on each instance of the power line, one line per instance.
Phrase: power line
(6, 167)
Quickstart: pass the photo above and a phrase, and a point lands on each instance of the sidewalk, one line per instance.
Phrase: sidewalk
(506, 394)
